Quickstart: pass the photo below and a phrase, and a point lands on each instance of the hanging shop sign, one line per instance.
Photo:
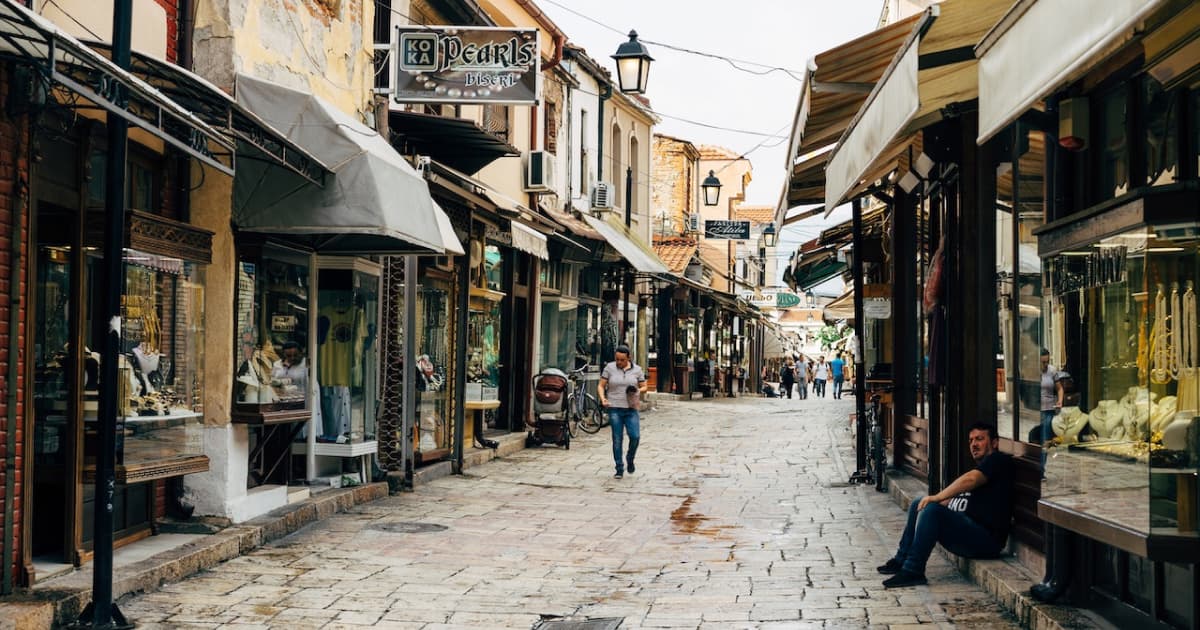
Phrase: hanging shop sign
(1072, 271)
(727, 230)
(770, 298)
(467, 65)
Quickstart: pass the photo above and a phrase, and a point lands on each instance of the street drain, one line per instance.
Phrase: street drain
(605, 623)
(407, 527)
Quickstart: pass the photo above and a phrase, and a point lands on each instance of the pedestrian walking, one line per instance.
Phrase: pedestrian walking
(837, 369)
(802, 378)
(622, 384)
(820, 376)
(788, 377)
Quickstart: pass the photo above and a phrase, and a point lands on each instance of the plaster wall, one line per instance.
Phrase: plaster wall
(321, 46)
(583, 135)
(91, 20)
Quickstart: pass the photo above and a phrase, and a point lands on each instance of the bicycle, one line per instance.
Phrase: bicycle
(876, 459)
(583, 409)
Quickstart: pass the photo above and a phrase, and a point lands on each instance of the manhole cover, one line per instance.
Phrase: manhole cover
(408, 527)
(607, 623)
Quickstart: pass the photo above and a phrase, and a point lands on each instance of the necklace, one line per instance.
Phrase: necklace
(1189, 351)
(1158, 340)
(1174, 349)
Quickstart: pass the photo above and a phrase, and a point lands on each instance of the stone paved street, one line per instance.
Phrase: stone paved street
(737, 517)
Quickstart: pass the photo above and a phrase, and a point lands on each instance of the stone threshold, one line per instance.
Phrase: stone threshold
(59, 600)
(1007, 578)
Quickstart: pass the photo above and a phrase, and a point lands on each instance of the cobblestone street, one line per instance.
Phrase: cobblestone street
(737, 517)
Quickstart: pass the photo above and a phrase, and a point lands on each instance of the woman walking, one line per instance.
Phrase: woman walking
(788, 377)
(621, 387)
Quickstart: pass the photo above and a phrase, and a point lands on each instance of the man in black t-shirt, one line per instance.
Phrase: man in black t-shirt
(970, 517)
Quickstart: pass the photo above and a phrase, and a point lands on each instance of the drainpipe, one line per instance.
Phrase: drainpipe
(557, 36)
(14, 350)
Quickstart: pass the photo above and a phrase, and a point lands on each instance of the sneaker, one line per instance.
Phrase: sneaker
(891, 567)
(630, 467)
(619, 476)
(904, 579)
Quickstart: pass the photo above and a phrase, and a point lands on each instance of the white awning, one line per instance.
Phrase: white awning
(376, 202)
(1038, 46)
(889, 110)
(529, 241)
(638, 255)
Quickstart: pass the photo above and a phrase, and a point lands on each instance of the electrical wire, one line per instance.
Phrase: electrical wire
(768, 69)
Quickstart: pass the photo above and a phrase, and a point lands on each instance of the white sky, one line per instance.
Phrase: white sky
(784, 33)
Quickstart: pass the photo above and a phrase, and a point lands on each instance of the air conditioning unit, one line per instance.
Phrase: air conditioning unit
(602, 195)
(693, 222)
(539, 172)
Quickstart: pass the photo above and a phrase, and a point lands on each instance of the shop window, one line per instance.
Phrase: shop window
(494, 267)
(435, 390)
(1160, 144)
(1112, 144)
(141, 183)
(1028, 306)
(271, 315)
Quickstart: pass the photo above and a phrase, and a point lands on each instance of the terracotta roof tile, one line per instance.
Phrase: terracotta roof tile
(755, 214)
(675, 252)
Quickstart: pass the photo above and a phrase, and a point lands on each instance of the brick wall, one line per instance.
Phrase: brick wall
(172, 9)
(14, 170)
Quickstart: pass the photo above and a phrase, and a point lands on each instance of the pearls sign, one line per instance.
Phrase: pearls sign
(466, 65)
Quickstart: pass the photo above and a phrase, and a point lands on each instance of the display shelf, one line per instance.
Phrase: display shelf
(326, 449)
(152, 470)
(481, 405)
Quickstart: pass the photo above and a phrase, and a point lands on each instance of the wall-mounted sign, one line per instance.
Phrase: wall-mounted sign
(727, 230)
(467, 65)
(877, 308)
(785, 299)
(771, 298)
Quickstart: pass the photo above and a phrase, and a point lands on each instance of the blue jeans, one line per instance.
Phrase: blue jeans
(935, 524)
(624, 421)
(1047, 432)
(837, 387)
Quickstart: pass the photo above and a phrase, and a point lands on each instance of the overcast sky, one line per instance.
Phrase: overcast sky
(783, 33)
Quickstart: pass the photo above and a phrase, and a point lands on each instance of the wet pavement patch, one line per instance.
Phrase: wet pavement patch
(407, 527)
(606, 623)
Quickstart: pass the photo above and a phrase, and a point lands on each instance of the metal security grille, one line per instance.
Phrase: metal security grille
(391, 413)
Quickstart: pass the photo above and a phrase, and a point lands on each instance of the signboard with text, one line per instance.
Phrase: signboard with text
(771, 298)
(437, 64)
(727, 230)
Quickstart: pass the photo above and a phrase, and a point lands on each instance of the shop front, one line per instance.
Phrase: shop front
(168, 262)
(315, 266)
(1101, 272)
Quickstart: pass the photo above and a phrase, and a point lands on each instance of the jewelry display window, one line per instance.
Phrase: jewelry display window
(161, 371)
(272, 342)
(434, 384)
(1121, 320)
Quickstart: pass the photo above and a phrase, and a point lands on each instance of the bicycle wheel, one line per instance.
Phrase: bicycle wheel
(592, 416)
(572, 416)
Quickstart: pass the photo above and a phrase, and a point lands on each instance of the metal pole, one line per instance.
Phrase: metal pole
(628, 222)
(860, 372)
(460, 352)
(103, 612)
(408, 418)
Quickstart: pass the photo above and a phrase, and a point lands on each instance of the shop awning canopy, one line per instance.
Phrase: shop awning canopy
(932, 72)
(529, 241)
(255, 139)
(834, 88)
(60, 59)
(375, 202)
(456, 142)
(772, 344)
(1039, 46)
(630, 247)
(842, 307)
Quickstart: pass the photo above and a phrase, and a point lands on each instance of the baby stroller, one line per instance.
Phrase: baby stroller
(549, 409)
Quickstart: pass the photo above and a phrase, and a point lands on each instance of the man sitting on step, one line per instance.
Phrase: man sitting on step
(970, 517)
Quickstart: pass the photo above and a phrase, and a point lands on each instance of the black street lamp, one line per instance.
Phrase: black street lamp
(769, 235)
(633, 65)
(810, 298)
(712, 189)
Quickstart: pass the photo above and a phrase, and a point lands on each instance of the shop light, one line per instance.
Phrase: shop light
(633, 65)
(712, 189)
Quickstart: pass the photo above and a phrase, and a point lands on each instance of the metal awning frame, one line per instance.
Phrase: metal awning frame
(216, 108)
(63, 60)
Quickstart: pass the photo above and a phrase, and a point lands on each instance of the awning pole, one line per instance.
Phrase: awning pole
(102, 612)
(860, 372)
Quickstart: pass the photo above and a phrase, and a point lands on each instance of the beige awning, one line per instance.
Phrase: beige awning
(529, 241)
(835, 87)
(639, 255)
(932, 71)
(1038, 46)
(840, 308)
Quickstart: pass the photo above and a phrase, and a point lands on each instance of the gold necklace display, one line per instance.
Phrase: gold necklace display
(1160, 344)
